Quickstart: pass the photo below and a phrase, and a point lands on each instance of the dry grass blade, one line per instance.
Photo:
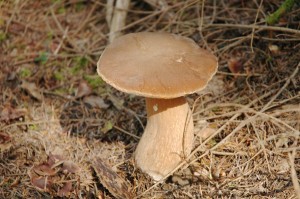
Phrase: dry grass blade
(118, 187)
(258, 27)
(294, 177)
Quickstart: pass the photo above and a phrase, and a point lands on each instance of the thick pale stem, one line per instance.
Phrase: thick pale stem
(168, 136)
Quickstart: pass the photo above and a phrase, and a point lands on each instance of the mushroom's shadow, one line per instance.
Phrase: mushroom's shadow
(82, 120)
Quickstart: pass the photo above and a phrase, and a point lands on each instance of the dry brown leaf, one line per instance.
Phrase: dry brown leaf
(9, 113)
(44, 170)
(83, 90)
(54, 158)
(95, 101)
(32, 90)
(70, 166)
(235, 65)
(118, 187)
(65, 190)
(5, 146)
(182, 182)
(5, 142)
(41, 183)
(4, 138)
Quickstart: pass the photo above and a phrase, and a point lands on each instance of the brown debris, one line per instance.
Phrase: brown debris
(32, 89)
(69, 166)
(9, 113)
(95, 101)
(83, 90)
(4, 138)
(41, 183)
(53, 159)
(44, 170)
(235, 65)
(46, 176)
(117, 186)
(65, 190)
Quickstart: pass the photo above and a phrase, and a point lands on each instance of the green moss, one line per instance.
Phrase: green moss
(216, 109)
(61, 10)
(25, 72)
(3, 36)
(1, 22)
(61, 91)
(79, 64)
(50, 35)
(79, 6)
(33, 127)
(58, 75)
(94, 81)
(211, 143)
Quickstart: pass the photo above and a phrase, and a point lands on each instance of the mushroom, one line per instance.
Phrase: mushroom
(162, 67)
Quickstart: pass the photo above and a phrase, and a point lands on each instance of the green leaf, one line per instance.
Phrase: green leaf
(107, 127)
(42, 58)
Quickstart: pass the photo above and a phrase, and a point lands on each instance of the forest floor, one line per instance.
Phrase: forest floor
(65, 133)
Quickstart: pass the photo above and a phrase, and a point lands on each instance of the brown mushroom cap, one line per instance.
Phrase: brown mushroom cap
(156, 65)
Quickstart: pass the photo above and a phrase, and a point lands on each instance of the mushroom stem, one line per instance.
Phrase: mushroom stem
(168, 136)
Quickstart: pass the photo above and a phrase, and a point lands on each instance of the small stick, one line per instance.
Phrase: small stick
(294, 173)
(259, 27)
(118, 19)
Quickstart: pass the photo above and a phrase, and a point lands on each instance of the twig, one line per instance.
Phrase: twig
(86, 20)
(253, 30)
(294, 173)
(109, 11)
(259, 27)
(261, 143)
(238, 74)
(283, 87)
(200, 23)
(126, 132)
(154, 14)
(252, 118)
(28, 123)
(118, 19)
(62, 41)
(221, 50)
(161, 5)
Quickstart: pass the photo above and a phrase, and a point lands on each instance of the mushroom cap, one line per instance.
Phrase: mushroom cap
(156, 65)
